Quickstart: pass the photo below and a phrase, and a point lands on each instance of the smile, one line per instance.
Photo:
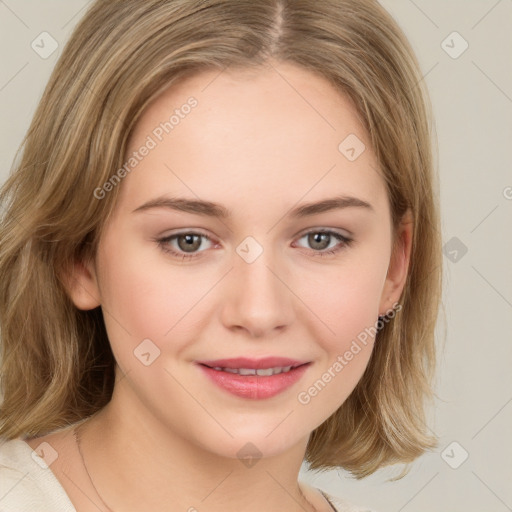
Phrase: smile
(253, 371)
(254, 379)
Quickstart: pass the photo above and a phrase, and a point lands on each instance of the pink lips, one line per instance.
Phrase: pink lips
(245, 362)
(255, 387)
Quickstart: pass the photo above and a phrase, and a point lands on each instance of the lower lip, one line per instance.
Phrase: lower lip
(255, 387)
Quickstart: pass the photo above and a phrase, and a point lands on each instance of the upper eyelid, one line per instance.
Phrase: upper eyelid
(187, 232)
(343, 239)
(197, 231)
(324, 230)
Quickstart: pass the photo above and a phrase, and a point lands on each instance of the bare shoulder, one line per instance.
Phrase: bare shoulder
(326, 502)
(342, 505)
(59, 451)
(55, 448)
(54, 438)
(315, 497)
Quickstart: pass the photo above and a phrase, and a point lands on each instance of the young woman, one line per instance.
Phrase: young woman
(220, 258)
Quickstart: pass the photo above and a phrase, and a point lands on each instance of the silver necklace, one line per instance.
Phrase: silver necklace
(77, 439)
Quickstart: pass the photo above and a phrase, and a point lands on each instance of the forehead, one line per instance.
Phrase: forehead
(278, 132)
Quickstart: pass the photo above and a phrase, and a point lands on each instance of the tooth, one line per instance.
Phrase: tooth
(247, 371)
(265, 372)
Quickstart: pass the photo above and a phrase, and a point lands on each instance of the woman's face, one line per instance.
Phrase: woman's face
(253, 223)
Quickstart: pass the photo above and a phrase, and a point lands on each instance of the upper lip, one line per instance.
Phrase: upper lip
(258, 364)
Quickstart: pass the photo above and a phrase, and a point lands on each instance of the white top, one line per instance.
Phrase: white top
(27, 484)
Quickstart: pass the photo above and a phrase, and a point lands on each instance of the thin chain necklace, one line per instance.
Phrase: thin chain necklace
(77, 440)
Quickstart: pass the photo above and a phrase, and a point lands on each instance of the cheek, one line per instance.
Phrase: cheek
(142, 296)
(344, 299)
(348, 310)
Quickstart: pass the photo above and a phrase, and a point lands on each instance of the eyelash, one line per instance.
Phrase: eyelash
(163, 243)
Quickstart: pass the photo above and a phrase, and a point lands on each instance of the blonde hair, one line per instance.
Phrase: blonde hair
(56, 362)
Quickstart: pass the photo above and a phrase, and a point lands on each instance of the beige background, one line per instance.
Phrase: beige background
(472, 99)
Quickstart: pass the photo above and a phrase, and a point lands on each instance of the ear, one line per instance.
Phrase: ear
(398, 265)
(80, 281)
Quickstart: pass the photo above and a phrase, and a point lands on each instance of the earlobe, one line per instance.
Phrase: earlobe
(81, 284)
(398, 265)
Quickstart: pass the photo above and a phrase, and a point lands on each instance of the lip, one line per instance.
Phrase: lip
(258, 364)
(254, 387)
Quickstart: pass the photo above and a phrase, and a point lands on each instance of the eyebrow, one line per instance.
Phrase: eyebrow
(207, 208)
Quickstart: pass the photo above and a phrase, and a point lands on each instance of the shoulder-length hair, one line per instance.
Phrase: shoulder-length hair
(56, 362)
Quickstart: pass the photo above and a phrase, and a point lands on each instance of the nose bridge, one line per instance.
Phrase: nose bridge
(258, 300)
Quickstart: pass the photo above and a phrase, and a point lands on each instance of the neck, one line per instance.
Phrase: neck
(137, 463)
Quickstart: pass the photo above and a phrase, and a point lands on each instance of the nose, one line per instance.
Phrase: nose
(257, 299)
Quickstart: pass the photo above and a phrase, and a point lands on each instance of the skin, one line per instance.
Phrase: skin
(259, 143)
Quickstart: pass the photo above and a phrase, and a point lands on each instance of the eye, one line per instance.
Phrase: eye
(325, 241)
(185, 245)
(189, 245)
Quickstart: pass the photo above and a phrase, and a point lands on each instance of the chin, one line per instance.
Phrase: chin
(257, 441)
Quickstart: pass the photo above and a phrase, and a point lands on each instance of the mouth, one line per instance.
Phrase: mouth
(262, 372)
(254, 379)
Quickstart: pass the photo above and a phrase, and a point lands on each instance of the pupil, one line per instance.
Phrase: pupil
(192, 242)
(321, 239)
